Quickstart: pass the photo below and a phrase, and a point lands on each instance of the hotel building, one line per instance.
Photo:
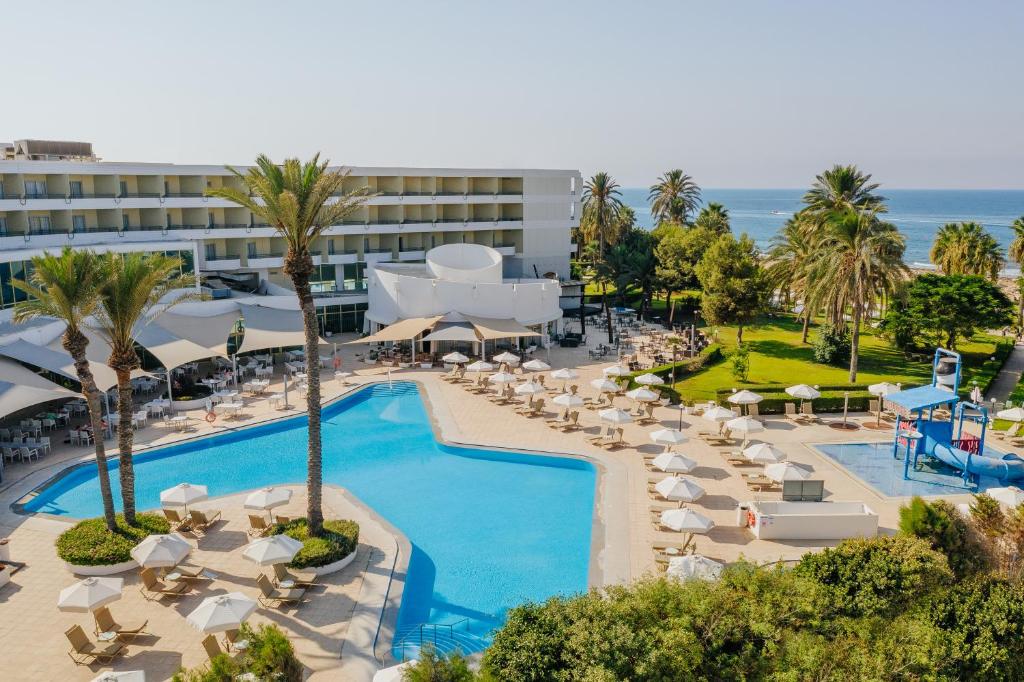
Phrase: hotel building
(56, 194)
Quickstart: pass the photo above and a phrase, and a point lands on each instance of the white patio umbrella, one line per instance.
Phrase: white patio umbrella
(686, 521)
(883, 388)
(267, 498)
(1013, 414)
(649, 380)
(564, 374)
(616, 371)
(455, 358)
(222, 612)
(605, 385)
(745, 397)
(803, 392)
(679, 489)
(502, 378)
(673, 463)
(1011, 496)
(568, 400)
(506, 357)
(276, 549)
(89, 594)
(764, 453)
(786, 471)
(536, 365)
(643, 395)
(480, 366)
(395, 673)
(744, 425)
(161, 551)
(668, 437)
(182, 495)
(615, 416)
(694, 566)
(121, 676)
(718, 414)
(530, 388)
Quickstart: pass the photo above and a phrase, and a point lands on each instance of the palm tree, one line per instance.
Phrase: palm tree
(65, 288)
(843, 188)
(133, 284)
(789, 264)
(602, 204)
(674, 197)
(967, 249)
(1016, 252)
(714, 217)
(296, 198)
(856, 259)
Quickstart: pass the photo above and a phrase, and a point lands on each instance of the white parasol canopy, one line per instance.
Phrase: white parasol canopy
(803, 392)
(605, 385)
(1013, 414)
(568, 400)
(677, 488)
(744, 425)
(764, 453)
(745, 397)
(90, 594)
(530, 388)
(268, 498)
(694, 566)
(673, 463)
(643, 395)
(222, 612)
(668, 437)
(565, 374)
(786, 471)
(480, 366)
(506, 357)
(121, 676)
(1011, 496)
(718, 414)
(502, 378)
(276, 549)
(884, 388)
(536, 365)
(393, 674)
(616, 371)
(161, 551)
(455, 358)
(615, 416)
(686, 521)
(649, 380)
(183, 495)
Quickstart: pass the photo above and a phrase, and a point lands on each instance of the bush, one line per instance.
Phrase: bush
(89, 543)
(434, 668)
(739, 361)
(712, 354)
(832, 345)
(942, 526)
(831, 400)
(270, 656)
(340, 538)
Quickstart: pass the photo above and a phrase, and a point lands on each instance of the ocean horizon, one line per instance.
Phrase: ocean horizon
(918, 213)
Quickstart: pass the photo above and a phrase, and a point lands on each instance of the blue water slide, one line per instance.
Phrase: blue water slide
(1007, 468)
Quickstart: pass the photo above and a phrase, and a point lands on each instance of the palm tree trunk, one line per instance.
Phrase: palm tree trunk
(75, 343)
(125, 440)
(807, 323)
(671, 306)
(314, 455)
(739, 335)
(855, 342)
(607, 310)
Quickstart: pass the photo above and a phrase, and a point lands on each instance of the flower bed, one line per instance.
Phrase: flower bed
(339, 540)
(89, 543)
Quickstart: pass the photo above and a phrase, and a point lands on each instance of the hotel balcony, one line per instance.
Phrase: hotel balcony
(371, 256)
(505, 249)
(266, 260)
(223, 263)
(341, 258)
(411, 254)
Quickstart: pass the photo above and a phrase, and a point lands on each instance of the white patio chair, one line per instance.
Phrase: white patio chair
(28, 453)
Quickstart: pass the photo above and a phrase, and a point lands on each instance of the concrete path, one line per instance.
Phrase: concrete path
(1008, 377)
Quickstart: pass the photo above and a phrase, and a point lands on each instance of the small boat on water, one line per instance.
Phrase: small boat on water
(777, 213)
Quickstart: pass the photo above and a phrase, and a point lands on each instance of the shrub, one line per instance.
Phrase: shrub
(339, 539)
(712, 354)
(739, 361)
(89, 543)
(270, 656)
(434, 668)
(942, 526)
(832, 345)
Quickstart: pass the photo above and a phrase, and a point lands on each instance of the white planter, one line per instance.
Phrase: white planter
(335, 567)
(186, 405)
(111, 569)
(426, 365)
(5, 575)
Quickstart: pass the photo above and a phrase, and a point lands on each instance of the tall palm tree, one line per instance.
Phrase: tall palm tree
(843, 188)
(1016, 252)
(296, 198)
(857, 259)
(714, 217)
(602, 203)
(65, 288)
(674, 197)
(133, 284)
(790, 258)
(967, 249)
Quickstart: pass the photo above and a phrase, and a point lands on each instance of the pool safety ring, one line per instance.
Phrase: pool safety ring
(211, 416)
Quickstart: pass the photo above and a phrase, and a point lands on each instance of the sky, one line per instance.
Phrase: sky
(739, 94)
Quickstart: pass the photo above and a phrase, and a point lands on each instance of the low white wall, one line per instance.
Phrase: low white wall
(812, 520)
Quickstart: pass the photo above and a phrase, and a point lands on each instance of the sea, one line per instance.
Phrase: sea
(917, 213)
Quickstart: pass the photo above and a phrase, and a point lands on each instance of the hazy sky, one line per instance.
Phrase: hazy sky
(738, 93)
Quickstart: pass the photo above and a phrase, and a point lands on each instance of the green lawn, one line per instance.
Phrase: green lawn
(778, 357)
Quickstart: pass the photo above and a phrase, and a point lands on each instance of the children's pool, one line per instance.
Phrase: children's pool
(489, 529)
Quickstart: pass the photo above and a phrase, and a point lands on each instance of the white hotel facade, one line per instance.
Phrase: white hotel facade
(57, 194)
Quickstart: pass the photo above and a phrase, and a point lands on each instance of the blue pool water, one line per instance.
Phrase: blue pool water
(489, 529)
(874, 464)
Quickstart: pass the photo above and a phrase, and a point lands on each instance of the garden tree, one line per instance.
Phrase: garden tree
(789, 260)
(64, 287)
(944, 309)
(832, 344)
(132, 286)
(433, 667)
(1016, 253)
(735, 287)
(713, 217)
(674, 197)
(300, 200)
(677, 254)
(857, 259)
(967, 249)
(739, 363)
(842, 189)
(947, 531)
(602, 204)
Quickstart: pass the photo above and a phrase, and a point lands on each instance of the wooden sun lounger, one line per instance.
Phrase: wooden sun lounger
(562, 418)
(153, 589)
(84, 651)
(105, 623)
(573, 424)
(616, 441)
(272, 596)
(178, 524)
(202, 520)
(303, 579)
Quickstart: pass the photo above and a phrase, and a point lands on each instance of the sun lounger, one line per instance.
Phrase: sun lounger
(604, 434)
(153, 588)
(105, 623)
(647, 417)
(303, 579)
(793, 415)
(715, 438)
(615, 442)
(190, 572)
(258, 526)
(573, 424)
(202, 520)
(537, 410)
(735, 458)
(178, 524)
(808, 412)
(523, 409)
(84, 651)
(599, 403)
(1010, 432)
(273, 596)
(212, 648)
(562, 418)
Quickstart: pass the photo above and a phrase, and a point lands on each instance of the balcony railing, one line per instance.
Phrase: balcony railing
(183, 195)
(256, 256)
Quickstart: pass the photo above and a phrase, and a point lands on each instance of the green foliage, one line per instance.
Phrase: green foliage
(876, 577)
(739, 362)
(987, 515)
(942, 309)
(833, 397)
(432, 667)
(832, 345)
(339, 539)
(967, 249)
(90, 543)
(942, 526)
(713, 217)
(735, 286)
(269, 656)
(678, 252)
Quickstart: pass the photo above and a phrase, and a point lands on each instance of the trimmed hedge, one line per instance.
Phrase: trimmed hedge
(340, 538)
(831, 400)
(986, 374)
(89, 543)
(711, 355)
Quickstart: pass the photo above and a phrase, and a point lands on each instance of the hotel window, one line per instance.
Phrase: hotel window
(35, 189)
(330, 247)
(1, 190)
(3, 227)
(78, 223)
(76, 189)
(123, 188)
(167, 188)
(209, 219)
(250, 249)
(211, 251)
(39, 224)
(125, 222)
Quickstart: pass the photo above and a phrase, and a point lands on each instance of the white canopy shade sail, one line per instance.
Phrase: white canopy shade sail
(803, 392)
(605, 385)
(403, 330)
(276, 549)
(668, 437)
(686, 521)
(718, 414)
(209, 331)
(673, 463)
(786, 471)
(89, 594)
(222, 612)
(488, 328)
(58, 361)
(694, 566)
(452, 331)
(616, 371)
(171, 349)
(480, 366)
(745, 397)
(649, 380)
(183, 495)
(643, 395)
(764, 453)
(677, 488)
(536, 365)
(161, 551)
(565, 374)
(568, 400)
(21, 388)
(1011, 496)
(456, 358)
(272, 328)
(267, 498)
(615, 416)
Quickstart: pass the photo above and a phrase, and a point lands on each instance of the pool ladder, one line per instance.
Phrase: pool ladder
(442, 637)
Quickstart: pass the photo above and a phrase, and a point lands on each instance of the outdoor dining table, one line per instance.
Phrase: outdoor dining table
(180, 421)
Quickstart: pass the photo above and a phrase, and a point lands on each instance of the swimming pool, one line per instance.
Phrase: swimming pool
(874, 464)
(489, 529)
